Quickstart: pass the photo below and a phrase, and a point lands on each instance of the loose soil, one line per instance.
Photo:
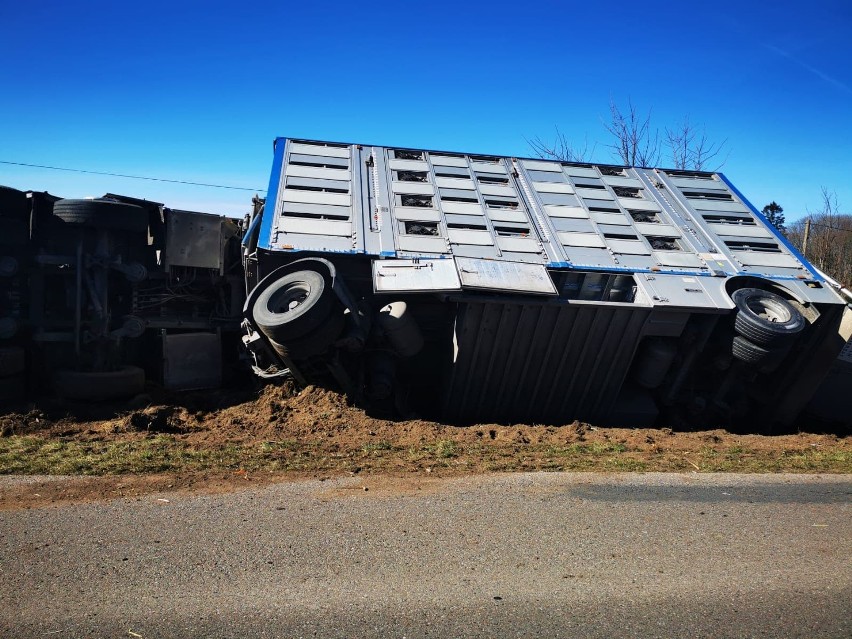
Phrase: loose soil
(204, 441)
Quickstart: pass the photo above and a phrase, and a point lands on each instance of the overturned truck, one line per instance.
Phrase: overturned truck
(475, 288)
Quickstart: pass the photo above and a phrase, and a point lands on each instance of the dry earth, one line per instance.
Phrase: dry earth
(204, 441)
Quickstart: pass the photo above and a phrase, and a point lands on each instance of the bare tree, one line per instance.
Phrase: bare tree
(635, 144)
(561, 149)
(829, 238)
(690, 147)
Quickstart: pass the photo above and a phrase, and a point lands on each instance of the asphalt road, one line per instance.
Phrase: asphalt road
(525, 555)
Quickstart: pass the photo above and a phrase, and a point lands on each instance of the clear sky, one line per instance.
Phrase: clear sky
(197, 91)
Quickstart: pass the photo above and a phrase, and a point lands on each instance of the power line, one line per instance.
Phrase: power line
(132, 177)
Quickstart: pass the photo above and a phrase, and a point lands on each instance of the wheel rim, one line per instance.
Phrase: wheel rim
(290, 298)
(769, 311)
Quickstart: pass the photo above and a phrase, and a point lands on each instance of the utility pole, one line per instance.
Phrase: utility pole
(805, 238)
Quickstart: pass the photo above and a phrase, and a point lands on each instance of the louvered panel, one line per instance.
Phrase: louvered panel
(541, 363)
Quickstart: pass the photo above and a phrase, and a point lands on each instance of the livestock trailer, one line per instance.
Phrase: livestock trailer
(476, 288)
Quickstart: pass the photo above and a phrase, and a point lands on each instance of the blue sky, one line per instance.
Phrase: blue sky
(197, 91)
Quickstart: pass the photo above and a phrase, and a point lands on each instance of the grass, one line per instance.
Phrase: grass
(21, 454)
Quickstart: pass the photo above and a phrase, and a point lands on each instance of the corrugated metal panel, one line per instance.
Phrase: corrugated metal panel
(462, 208)
(455, 183)
(506, 215)
(315, 227)
(657, 230)
(519, 244)
(540, 363)
(488, 167)
(579, 171)
(678, 259)
(629, 247)
(404, 213)
(496, 189)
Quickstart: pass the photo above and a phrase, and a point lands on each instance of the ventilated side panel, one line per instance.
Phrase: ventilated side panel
(540, 363)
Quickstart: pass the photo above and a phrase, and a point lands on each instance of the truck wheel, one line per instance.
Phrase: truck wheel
(125, 382)
(292, 306)
(13, 360)
(315, 343)
(102, 214)
(747, 352)
(764, 317)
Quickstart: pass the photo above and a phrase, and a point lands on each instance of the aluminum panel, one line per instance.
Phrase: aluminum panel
(572, 225)
(468, 236)
(552, 187)
(542, 165)
(318, 172)
(594, 194)
(496, 189)
(342, 163)
(488, 167)
(611, 218)
(317, 197)
(635, 204)
(454, 183)
(422, 244)
(518, 244)
(300, 209)
(408, 165)
(413, 188)
(504, 276)
(739, 230)
(579, 171)
(716, 205)
(629, 182)
(316, 149)
(687, 184)
(416, 213)
(415, 276)
(465, 196)
(590, 240)
(558, 199)
(566, 211)
(678, 259)
(657, 230)
(507, 215)
(758, 258)
(447, 160)
(462, 208)
(628, 247)
(293, 182)
(315, 227)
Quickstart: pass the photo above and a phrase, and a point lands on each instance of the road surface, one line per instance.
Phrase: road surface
(523, 555)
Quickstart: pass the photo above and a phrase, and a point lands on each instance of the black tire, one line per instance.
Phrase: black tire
(14, 204)
(13, 360)
(102, 214)
(747, 352)
(292, 306)
(92, 386)
(766, 318)
(315, 343)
